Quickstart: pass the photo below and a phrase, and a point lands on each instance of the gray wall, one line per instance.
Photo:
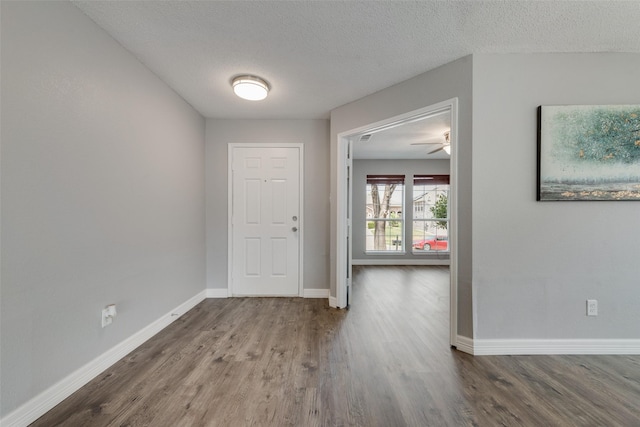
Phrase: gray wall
(446, 82)
(102, 196)
(409, 168)
(546, 258)
(314, 134)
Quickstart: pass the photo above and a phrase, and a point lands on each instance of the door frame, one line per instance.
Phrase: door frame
(230, 148)
(343, 258)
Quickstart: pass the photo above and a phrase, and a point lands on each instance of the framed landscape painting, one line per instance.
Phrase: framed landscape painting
(589, 152)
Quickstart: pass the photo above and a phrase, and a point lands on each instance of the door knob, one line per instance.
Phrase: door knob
(294, 228)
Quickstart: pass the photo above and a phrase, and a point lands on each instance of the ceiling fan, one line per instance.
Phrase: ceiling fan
(446, 145)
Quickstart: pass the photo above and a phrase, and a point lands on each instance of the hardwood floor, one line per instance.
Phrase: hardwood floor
(384, 362)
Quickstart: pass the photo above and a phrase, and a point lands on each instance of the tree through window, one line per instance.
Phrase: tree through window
(385, 221)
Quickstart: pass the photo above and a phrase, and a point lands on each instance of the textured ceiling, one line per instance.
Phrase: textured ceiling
(318, 55)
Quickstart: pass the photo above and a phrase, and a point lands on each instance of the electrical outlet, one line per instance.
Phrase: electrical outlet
(108, 313)
(592, 307)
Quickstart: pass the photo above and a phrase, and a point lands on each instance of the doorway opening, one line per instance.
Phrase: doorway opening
(425, 146)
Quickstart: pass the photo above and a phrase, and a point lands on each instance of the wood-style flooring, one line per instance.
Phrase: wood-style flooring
(384, 362)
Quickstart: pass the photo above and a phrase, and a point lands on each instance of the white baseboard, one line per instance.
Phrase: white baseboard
(464, 344)
(43, 402)
(316, 293)
(333, 302)
(387, 261)
(555, 346)
(217, 293)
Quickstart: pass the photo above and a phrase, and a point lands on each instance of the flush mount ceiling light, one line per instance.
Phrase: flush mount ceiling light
(251, 88)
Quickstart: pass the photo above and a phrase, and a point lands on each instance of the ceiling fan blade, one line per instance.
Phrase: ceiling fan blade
(425, 143)
(436, 150)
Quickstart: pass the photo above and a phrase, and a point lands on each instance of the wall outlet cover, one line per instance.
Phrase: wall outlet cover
(592, 307)
(108, 313)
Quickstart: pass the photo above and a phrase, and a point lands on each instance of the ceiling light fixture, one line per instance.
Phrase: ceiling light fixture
(444, 146)
(250, 87)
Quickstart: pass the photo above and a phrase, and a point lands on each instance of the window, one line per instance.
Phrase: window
(385, 221)
(430, 213)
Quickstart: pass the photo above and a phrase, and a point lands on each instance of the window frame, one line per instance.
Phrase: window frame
(430, 180)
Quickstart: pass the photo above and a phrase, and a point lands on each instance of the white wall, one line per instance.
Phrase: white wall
(102, 196)
(409, 168)
(314, 134)
(536, 263)
(452, 80)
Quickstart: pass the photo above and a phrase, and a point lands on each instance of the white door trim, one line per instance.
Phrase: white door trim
(230, 148)
(343, 193)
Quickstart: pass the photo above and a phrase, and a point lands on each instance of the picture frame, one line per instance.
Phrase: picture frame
(588, 152)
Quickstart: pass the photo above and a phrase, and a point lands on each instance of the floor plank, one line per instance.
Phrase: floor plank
(384, 362)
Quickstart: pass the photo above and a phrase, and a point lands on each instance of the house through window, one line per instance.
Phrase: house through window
(430, 213)
(385, 220)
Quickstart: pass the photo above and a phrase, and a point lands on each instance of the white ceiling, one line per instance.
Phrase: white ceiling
(318, 55)
(399, 142)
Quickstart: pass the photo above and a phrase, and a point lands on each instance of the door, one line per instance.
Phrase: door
(349, 223)
(265, 220)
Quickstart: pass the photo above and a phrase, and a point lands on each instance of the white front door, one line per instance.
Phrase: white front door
(265, 220)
